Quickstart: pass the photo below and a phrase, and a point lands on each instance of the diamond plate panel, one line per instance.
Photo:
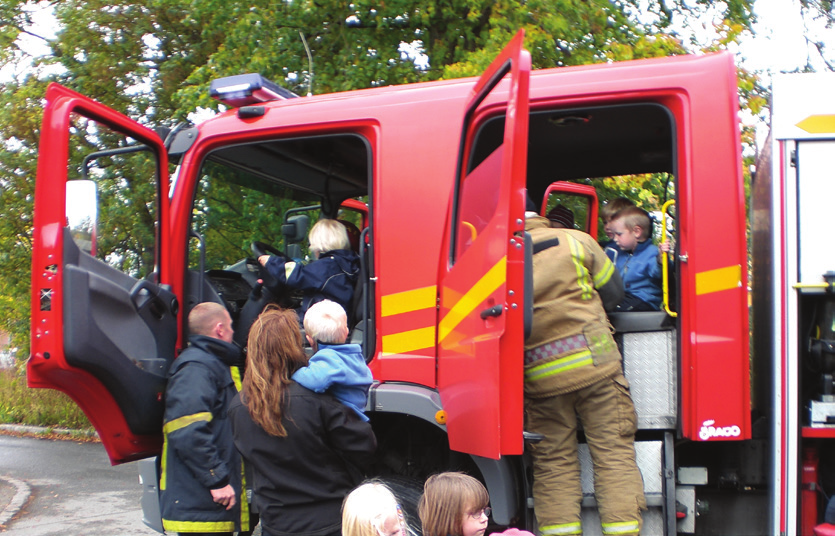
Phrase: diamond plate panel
(649, 362)
(648, 456)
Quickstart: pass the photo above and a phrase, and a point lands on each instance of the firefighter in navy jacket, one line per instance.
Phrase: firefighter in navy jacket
(331, 276)
(201, 483)
(573, 369)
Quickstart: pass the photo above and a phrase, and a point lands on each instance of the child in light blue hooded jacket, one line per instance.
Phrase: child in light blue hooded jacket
(336, 367)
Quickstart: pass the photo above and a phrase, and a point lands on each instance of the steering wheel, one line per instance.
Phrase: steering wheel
(260, 248)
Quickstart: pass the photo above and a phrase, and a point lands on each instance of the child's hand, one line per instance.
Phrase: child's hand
(664, 247)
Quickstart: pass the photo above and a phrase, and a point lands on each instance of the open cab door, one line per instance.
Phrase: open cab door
(481, 279)
(104, 327)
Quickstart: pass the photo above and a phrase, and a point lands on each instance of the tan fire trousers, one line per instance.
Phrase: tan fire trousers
(609, 422)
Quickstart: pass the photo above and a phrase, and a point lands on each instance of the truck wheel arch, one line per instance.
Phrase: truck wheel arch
(500, 476)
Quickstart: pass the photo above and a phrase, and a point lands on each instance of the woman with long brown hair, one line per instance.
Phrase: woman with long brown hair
(307, 450)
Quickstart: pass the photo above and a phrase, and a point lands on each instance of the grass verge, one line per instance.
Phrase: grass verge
(37, 407)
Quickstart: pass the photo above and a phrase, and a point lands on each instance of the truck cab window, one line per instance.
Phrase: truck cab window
(272, 193)
(113, 217)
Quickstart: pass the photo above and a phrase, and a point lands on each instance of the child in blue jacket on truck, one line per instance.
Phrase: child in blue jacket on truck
(336, 367)
(639, 263)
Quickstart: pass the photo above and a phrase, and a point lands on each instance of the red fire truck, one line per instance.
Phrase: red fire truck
(435, 177)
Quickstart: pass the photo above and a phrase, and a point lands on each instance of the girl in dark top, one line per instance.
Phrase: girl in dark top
(306, 450)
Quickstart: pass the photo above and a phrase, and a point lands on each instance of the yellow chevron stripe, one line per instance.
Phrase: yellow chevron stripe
(719, 279)
(473, 298)
(408, 301)
(605, 274)
(409, 341)
(818, 124)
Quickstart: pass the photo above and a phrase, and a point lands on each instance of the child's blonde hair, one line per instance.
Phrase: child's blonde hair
(636, 217)
(328, 235)
(613, 207)
(367, 507)
(447, 498)
(327, 322)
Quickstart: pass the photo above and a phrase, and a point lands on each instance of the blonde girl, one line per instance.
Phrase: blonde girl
(372, 510)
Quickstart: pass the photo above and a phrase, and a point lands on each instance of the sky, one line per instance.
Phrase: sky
(778, 44)
(44, 26)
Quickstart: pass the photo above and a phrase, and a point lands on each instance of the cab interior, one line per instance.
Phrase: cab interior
(605, 148)
(268, 194)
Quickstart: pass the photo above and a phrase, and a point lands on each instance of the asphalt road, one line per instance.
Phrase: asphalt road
(73, 490)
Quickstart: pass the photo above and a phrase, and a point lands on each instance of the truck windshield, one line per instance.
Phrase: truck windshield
(270, 192)
(247, 192)
(233, 208)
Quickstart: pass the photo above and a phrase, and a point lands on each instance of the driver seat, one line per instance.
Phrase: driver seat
(258, 300)
(353, 235)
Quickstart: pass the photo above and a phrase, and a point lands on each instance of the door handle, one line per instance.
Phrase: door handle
(496, 310)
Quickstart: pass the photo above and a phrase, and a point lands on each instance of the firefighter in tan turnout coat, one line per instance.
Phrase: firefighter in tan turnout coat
(573, 369)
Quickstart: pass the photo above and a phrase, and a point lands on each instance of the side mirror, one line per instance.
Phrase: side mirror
(82, 213)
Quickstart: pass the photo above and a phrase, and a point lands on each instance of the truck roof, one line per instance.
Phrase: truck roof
(429, 92)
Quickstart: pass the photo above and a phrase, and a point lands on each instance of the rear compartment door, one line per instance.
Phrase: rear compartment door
(104, 328)
(481, 296)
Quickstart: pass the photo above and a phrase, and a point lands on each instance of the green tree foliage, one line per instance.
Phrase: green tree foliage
(19, 117)
(231, 214)
(152, 60)
(819, 18)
